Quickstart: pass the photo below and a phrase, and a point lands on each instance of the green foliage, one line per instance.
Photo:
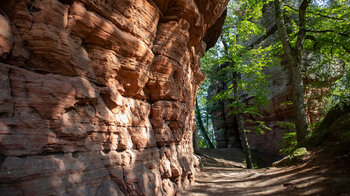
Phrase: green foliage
(289, 126)
(327, 45)
(250, 63)
(327, 55)
(288, 143)
(259, 126)
(299, 152)
(235, 57)
(323, 58)
(202, 143)
(313, 126)
(205, 115)
(286, 103)
(329, 40)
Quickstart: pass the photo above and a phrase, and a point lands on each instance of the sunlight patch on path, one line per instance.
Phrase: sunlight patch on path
(222, 177)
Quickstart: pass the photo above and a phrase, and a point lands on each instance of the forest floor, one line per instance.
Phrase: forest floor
(223, 173)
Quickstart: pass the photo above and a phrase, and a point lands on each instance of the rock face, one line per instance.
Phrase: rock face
(97, 97)
(334, 130)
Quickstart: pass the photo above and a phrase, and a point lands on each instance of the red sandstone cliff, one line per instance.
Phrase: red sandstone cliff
(97, 96)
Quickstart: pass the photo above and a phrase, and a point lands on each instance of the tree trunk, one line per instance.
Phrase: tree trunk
(195, 141)
(201, 126)
(245, 144)
(294, 58)
(240, 119)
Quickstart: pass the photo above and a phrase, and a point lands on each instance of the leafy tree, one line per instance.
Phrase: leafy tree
(324, 30)
(205, 133)
(294, 56)
(314, 39)
(243, 67)
(201, 126)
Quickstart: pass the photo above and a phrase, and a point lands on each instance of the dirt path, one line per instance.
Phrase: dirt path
(223, 174)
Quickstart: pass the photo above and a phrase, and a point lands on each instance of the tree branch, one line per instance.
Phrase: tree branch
(271, 31)
(310, 37)
(225, 45)
(282, 31)
(328, 31)
(314, 13)
(302, 29)
(346, 49)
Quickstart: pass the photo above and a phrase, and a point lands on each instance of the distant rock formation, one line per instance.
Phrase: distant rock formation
(280, 108)
(225, 124)
(97, 96)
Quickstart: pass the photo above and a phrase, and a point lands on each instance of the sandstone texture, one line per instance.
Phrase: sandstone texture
(97, 96)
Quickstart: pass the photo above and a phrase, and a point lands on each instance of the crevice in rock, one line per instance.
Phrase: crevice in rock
(32, 8)
(76, 154)
(10, 84)
(10, 53)
(109, 102)
(42, 72)
(67, 2)
(156, 6)
(48, 153)
(3, 115)
(106, 151)
(124, 188)
(2, 159)
(33, 108)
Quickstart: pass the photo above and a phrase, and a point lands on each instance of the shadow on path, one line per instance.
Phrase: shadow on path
(223, 173)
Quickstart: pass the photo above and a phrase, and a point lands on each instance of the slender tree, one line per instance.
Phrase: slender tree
(236, 77)
(240, 119)
(201, 126)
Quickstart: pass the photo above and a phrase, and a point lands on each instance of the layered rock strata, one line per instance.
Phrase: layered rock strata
(97, 97)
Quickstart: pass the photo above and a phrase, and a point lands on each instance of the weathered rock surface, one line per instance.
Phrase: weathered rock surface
(97, 97)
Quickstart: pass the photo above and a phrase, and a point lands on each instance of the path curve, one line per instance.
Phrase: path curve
(224, 174)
